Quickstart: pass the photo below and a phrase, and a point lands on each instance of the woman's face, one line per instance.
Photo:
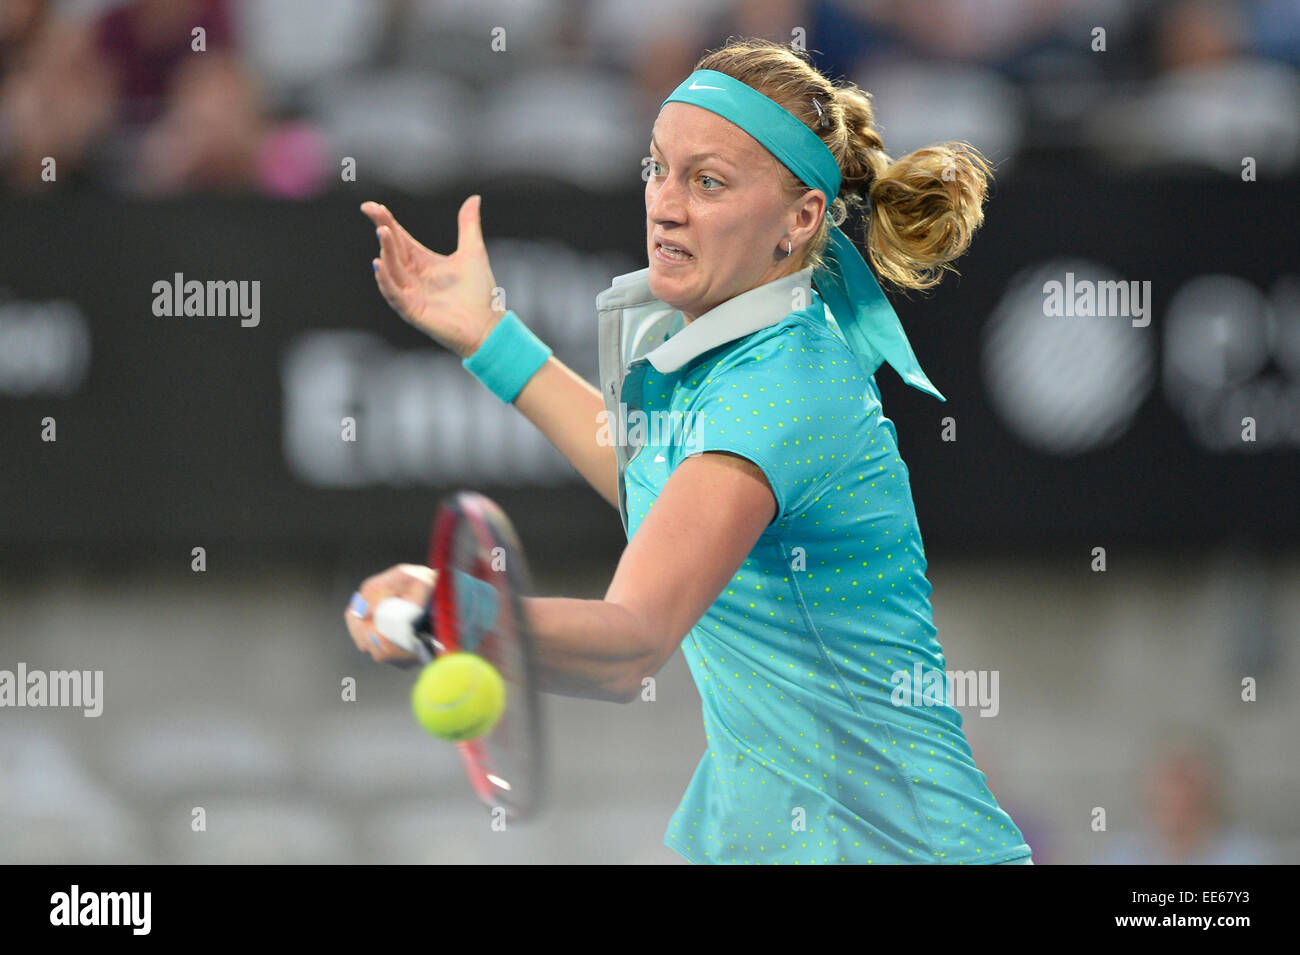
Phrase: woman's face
(716, 193)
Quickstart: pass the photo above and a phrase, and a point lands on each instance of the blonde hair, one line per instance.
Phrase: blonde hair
(922, 209)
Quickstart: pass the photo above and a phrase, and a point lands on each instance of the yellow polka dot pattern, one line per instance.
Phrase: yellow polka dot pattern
(808, 760)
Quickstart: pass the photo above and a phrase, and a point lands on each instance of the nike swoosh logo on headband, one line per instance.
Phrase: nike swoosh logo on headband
(695, 85)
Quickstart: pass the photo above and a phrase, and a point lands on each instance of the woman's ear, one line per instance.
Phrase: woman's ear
(809, 216)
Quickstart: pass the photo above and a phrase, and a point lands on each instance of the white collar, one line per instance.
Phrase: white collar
(761, 307)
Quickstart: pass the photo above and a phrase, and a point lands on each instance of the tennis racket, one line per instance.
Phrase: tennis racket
(476, 607)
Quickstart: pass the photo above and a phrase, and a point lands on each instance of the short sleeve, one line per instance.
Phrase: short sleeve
(790, 407)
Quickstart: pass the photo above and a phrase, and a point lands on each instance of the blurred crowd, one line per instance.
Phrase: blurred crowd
(288, 98)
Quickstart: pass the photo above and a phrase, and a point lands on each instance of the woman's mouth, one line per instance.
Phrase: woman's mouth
(671, 254)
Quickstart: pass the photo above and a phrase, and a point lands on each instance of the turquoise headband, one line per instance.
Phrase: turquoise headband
(860, 308)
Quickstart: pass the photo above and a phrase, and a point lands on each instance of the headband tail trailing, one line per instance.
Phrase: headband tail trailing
(866, 317)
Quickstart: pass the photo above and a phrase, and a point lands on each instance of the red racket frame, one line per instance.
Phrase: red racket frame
(491, 528)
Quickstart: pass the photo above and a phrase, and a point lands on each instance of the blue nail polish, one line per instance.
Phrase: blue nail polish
(375, 641)
(376, 265)
(358, 605)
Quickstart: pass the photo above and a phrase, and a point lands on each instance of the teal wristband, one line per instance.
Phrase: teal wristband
(507, 358)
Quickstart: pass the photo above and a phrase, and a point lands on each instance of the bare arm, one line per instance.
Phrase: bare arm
(704, 524)
(565, 408)
(699, 531)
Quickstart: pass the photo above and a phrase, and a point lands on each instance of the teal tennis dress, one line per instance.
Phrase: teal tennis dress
(797, 661)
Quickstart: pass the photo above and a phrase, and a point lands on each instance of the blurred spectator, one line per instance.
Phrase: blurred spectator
(115, 92)
(146, 42)
(212, 136)
(194, 119)
(974, 31)
(657, 51)
(214, 132)
(1275, 29)
(54, 97)
(21, 21)
(1198, 33)
(1213, 102)
(1184, 793)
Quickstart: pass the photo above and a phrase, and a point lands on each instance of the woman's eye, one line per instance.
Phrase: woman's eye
(653, 168)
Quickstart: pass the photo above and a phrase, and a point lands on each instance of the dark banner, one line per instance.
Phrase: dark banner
(1121, 363)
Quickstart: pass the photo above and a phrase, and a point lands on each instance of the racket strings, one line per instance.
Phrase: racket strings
(504, 765)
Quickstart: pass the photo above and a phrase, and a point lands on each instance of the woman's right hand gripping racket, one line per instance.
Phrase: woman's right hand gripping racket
(476, 607)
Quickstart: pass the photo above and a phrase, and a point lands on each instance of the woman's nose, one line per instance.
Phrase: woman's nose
(666, 202)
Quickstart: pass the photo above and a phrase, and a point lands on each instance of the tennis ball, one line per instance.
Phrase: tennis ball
(458, 697)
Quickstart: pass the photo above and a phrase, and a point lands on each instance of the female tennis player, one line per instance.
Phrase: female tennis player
(772, 536)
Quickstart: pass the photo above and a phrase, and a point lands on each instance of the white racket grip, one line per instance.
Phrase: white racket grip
(395, 620)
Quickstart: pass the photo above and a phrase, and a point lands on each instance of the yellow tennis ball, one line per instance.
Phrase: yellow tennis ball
(458, 697)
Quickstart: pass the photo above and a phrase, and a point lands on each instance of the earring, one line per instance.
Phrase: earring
(787, 248)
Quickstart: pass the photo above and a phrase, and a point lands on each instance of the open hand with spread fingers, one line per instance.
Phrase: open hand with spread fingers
(449, 297)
